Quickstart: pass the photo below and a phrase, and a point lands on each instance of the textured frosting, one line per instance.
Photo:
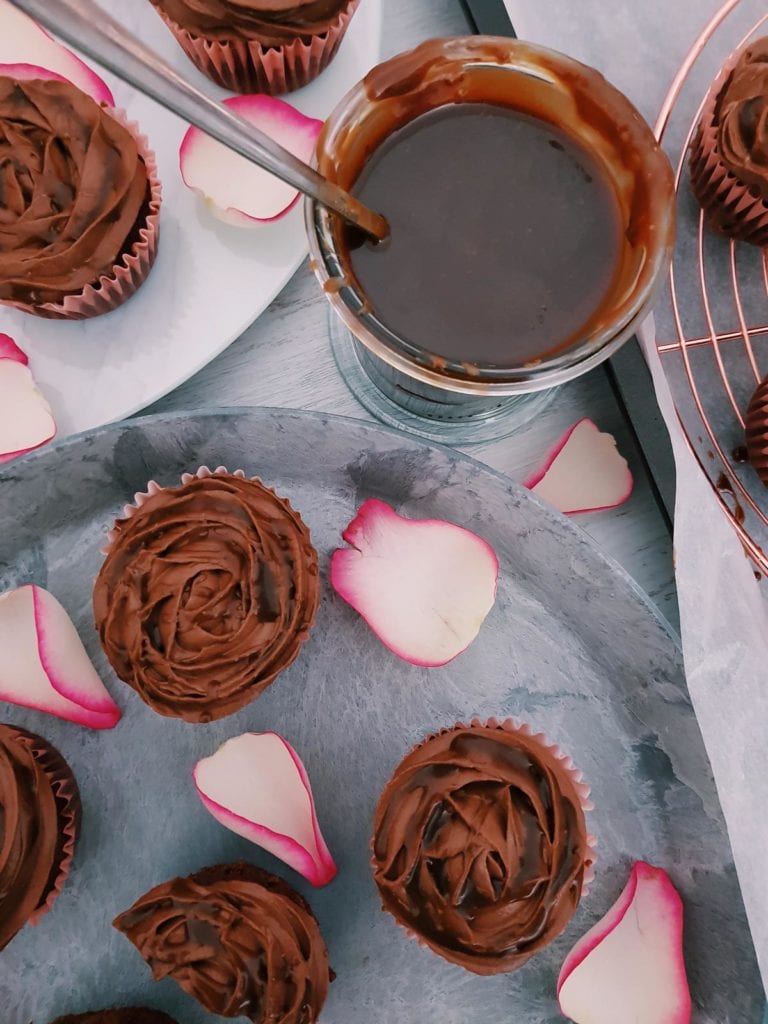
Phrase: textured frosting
(31, 826)
(480, 846)
(206, 594)
(237, 939)
(72, 188)
(124, 1015)
(271, 22)
(756, 431)
(742, 118)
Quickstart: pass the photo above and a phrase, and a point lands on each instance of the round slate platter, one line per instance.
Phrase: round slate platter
(571, 646)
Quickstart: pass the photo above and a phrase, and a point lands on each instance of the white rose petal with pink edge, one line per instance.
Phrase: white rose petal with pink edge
(237, 191)
(24, 42)
(584, 472)
(26, 420)
(257, 786)
(44, 664)
(630, 964)
(424, 586)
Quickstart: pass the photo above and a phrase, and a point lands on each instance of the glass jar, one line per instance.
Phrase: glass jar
(409, 386)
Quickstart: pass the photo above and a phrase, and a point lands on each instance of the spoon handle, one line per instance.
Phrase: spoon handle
(87, 26)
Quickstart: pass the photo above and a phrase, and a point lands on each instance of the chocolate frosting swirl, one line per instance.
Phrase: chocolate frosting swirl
(238, 939)
(124, 1015)
(206, 594)
(31, 825)
(480, 846)
(270, 22)
(742, 117)
(72, 187)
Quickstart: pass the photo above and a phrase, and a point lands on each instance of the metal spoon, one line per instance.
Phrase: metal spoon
(87, 26)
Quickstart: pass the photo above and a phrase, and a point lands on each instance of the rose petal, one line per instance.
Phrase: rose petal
(632, 957)
(424, 587)
(584, 472)
(26, 421)
(256, 785)
(236, 190)
(44, 664)
(10, 350)
(23, 41)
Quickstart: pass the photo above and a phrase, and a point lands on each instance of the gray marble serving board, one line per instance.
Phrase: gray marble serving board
(571, 646)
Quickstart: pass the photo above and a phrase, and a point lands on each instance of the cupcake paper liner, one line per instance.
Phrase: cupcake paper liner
(730, 207)
(113, 289)
(297, 634)
(69, 809)
(576, 776)
(248, 66)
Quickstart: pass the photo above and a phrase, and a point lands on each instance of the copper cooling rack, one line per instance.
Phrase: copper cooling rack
(712, 326)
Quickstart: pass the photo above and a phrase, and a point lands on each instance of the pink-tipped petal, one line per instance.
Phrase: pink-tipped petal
(633, 958)
(24, 42)
(236, 190)
(257, 786)
(584, 472)
(26, 421)
(424, 586)
(44, 664)
(10, 350)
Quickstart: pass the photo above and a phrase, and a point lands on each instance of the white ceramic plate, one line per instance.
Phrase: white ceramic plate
(210, 281)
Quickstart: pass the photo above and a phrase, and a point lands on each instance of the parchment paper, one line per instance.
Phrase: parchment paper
(724, 627)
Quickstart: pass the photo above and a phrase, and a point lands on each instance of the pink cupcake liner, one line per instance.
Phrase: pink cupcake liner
(69, 809)
(730, 207)
(575, 775)
(248, 66)
(112, 290)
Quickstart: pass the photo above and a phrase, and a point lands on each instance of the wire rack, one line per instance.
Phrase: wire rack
(712, 327)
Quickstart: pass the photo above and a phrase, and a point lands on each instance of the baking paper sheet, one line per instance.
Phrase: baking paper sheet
(724, 628)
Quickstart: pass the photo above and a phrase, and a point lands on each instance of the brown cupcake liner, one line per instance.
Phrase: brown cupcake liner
(730, 207)
(248, 66)
(575, 775)
(69, 809)
(113, 289)
(756, 431)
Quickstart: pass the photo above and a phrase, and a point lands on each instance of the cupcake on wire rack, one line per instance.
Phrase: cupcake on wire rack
(480, 844)
(248, 46)
(729, 152)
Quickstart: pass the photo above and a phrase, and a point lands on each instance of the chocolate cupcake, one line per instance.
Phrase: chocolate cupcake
(207, 593)
(79, 203)
(271, 46)
(39, 821)
(124, 1015)
(756, 431)
(729, 152)
(237, 939)
(480, 847)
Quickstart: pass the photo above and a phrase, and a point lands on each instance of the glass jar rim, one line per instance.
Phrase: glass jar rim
(553, 69)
